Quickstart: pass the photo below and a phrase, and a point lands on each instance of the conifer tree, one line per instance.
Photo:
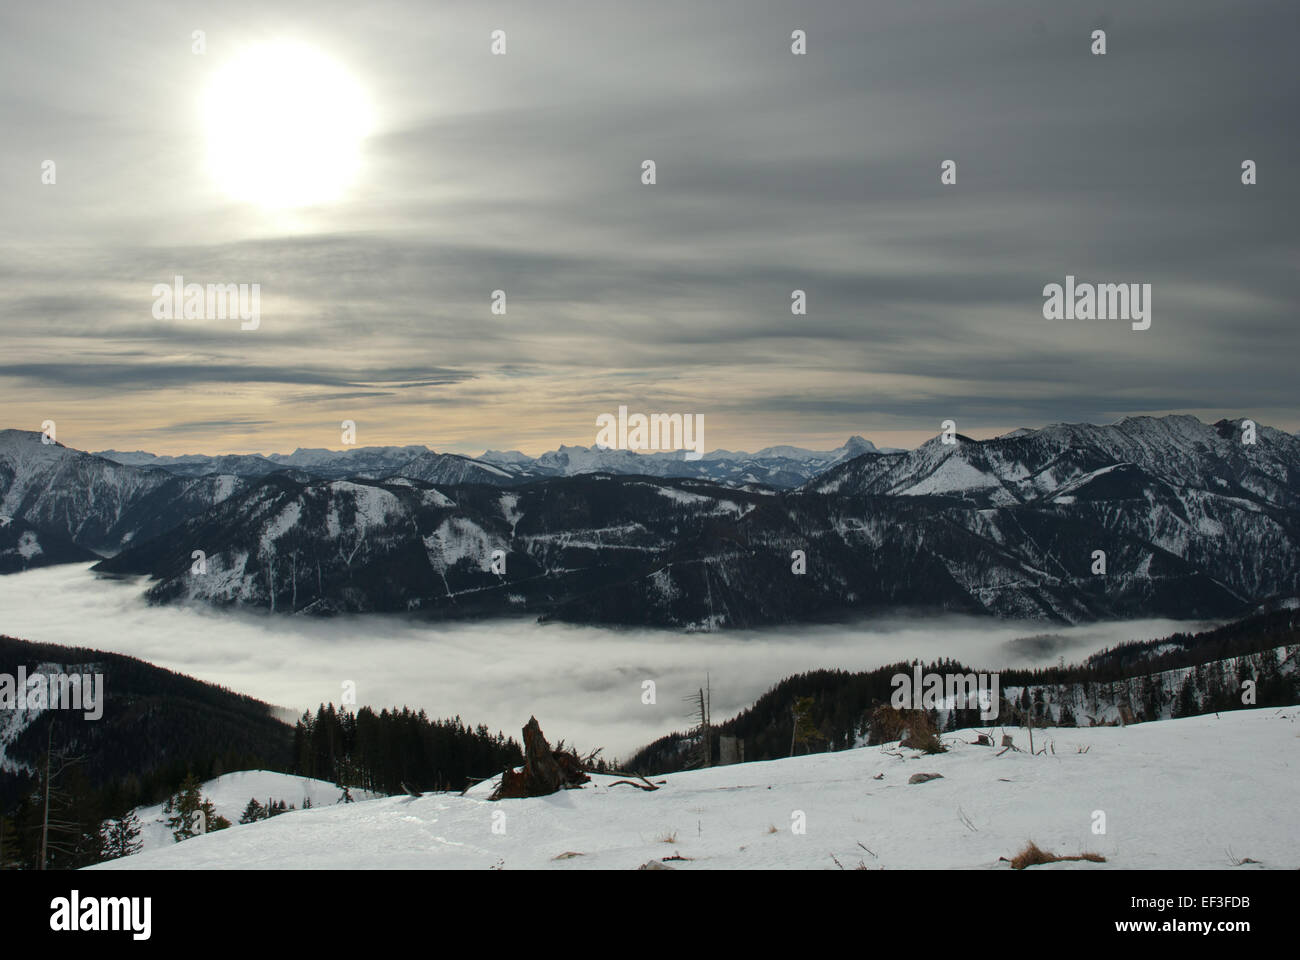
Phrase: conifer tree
(121, 837)
(190, 813)
(211, 819)
(253, 812)
(182, 809)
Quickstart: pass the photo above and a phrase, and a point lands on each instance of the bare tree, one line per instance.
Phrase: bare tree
(701, 716)
(57, 762)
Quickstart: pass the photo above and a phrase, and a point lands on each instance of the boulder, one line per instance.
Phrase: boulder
(924, 777)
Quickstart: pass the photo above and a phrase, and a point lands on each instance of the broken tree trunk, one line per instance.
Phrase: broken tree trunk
(545, 771)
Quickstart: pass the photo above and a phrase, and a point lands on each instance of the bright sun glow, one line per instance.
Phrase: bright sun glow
(284, 126)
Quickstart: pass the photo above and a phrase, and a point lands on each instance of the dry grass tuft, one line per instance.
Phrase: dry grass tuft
(1032, 855)
(1238, 861)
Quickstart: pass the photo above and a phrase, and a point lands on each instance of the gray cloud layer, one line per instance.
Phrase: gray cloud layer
(775, 172)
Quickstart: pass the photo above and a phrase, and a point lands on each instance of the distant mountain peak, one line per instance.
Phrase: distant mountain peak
(505, 456)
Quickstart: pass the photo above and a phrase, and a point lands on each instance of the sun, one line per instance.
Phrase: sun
(284, 125)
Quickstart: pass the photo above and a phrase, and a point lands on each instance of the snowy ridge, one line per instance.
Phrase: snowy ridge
(1158, 696)
(1025, 466)
(92, 502)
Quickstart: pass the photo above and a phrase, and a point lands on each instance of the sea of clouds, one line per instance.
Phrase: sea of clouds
(582, 683)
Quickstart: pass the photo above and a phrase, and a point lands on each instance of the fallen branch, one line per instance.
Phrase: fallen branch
(630, 783)
(648, 784)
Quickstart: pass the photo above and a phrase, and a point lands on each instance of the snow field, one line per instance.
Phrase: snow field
(1175, 794)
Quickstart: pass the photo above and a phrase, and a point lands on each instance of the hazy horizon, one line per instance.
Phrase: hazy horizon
(913, 440)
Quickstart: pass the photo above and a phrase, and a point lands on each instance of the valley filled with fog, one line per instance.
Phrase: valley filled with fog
(582, 683)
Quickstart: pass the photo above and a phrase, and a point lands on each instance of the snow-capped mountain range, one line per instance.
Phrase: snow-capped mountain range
(58, 504)
(1184, 518)
(781, 466)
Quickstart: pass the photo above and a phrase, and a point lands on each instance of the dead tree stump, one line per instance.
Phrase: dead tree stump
(545, 771)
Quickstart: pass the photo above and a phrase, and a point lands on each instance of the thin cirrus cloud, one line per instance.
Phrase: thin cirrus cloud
(128, 375)
(775, 173)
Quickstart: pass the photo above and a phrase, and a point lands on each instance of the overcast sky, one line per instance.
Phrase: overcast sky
(775, 172)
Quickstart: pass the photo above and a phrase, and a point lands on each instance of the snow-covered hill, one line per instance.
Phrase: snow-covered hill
(230, 794)
(1187, 793)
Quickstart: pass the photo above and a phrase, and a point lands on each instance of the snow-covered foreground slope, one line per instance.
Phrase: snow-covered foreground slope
(1175, 794)
(230, 794)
